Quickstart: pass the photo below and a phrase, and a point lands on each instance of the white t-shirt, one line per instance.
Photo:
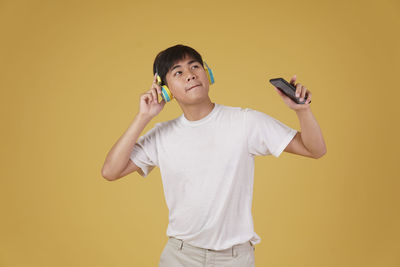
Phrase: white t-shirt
(207, 171)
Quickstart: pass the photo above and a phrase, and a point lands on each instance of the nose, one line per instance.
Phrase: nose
(190, 76)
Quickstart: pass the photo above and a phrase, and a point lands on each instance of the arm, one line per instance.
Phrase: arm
(117, 159)
(117, 163)
(309, 142)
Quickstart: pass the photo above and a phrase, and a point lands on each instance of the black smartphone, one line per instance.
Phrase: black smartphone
(288, 89)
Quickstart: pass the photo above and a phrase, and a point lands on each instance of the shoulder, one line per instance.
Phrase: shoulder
(232, 111)
(159, 128)
(241, 110)
(245, 114)
(166, 126)
(255, 118)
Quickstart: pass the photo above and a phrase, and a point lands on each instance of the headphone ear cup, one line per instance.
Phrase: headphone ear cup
(209, 73)
(210, 76)
(166, 93)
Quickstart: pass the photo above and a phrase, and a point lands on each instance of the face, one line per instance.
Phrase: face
(188, 81)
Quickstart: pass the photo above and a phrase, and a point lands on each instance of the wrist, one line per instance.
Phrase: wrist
(302, 110)
(142, 117)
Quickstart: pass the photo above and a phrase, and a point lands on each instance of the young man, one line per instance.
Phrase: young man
(206, 160)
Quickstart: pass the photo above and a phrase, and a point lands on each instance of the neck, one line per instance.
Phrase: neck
(197, 111)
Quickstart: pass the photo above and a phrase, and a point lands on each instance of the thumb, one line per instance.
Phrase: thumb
(279, 91)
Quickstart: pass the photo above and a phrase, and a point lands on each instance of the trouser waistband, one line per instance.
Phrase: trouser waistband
(180, 244)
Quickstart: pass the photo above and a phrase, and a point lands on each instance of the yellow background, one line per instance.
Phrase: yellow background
(71, 73)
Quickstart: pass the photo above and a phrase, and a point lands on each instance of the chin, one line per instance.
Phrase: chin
(194, 101)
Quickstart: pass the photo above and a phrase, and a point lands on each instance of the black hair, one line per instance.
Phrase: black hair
(165, 60)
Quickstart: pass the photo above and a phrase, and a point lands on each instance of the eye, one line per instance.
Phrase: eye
(178, 72)
(195, 66)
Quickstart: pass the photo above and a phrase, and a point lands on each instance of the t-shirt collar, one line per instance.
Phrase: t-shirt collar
(201, 121)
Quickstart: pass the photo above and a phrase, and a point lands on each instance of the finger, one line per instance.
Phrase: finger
(308, 97)
(279, 91)
(154, 93)
(293, 79)
(145, 98)
(145, 95)
(298, 89)
(157, 87)
(162, 103)
(284, 97)
(155, 77)
(303, 93)
(149, 96)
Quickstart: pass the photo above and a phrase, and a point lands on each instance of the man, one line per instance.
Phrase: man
(206, 160)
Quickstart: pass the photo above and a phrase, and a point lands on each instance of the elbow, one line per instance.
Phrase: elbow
(320, 154)
(107, 176)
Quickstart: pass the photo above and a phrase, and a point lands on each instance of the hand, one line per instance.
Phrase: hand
(149, 105)
(301, 91)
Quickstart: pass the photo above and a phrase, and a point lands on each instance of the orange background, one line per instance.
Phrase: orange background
(71, 73)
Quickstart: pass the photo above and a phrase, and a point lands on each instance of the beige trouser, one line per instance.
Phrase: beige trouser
(177, 253)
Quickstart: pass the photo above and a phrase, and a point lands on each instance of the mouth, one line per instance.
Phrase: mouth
(192, 87)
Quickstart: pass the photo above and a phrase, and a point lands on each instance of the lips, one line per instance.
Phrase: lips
(192, 87)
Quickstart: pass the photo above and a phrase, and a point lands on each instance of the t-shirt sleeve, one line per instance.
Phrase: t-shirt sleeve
(266, 135)
(144, 153)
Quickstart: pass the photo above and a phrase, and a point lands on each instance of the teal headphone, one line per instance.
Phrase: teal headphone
(166, 93)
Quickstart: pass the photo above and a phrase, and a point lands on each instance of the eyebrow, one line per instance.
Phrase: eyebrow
(177, 66)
